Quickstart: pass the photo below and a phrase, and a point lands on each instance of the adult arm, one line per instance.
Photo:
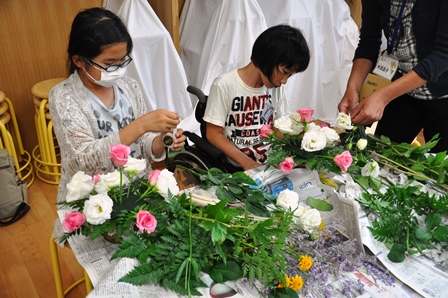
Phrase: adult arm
(372, 107)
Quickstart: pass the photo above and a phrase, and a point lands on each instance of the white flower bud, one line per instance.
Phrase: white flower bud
(361, 144)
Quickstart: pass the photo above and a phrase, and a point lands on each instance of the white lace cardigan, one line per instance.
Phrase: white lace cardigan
(76, 130)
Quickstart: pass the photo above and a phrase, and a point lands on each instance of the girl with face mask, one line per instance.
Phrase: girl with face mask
(97, 106)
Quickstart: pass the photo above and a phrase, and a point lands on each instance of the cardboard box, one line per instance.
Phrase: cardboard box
(372, 83)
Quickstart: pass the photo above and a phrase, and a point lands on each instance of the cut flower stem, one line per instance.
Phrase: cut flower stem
(405, 170)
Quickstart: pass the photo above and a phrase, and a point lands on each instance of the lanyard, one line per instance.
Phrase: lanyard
(390, 44)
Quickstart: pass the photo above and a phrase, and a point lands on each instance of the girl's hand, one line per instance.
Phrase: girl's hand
(160, 121)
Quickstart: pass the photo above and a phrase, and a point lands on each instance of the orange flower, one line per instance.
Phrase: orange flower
(295, 283)
(281, 284)
(305, 262)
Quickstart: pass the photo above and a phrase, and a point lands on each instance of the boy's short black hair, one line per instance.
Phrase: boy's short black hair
(280, 45)
(92, 31)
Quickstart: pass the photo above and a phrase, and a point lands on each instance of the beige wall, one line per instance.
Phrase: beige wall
(33, 46)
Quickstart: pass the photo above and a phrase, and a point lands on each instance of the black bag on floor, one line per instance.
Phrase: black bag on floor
(13, 192)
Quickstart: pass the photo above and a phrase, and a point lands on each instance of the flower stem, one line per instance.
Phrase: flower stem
(191, 252)
(214, 220)
(405, 169)
(121, 185)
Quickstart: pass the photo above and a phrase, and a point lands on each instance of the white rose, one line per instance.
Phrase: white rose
(284, 124)
(135, 167)
(109, 181)
(167, 181)
(371, 169)
(343, 121)
(314, 141)
(361, 144)
(288, 199)
(298, 213)
(98, 208)
(79, 187)
(331, 134)
(296, 125)
(313, 127)
(310, 220)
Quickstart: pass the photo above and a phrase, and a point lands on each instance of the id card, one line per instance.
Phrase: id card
(386, 66)
(267, 112)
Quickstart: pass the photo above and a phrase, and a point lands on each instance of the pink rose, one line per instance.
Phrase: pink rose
(343, 160)
(96, 178)
(153, 177)
(305, 115)
(286, 165)
(120, 154)
(265, 131)
(146, 221)
(73, 221)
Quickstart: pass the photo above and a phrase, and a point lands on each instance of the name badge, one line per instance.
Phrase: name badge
(386, 66)
(267, 112)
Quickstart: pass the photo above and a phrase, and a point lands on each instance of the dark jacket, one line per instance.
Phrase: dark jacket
(430, 28)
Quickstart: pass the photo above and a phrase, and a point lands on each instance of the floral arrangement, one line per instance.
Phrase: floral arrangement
(118, 201)
(406, 218)
(242, 233)
(305, 142)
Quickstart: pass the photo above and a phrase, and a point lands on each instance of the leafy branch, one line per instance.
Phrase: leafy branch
(397, 224)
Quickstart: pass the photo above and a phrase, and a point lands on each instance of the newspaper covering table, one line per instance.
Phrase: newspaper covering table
(417, 276)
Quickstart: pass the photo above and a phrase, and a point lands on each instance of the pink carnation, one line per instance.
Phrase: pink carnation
(343, 160)
(153, 177)
(305, 115)
(73, 221)
(146, 221)
(120, 154)
(286, 165)
(265, 131)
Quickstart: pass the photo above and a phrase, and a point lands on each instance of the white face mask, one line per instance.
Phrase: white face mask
(107, 79)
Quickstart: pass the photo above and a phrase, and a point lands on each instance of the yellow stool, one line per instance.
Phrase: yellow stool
(58, 276)
(45, 154)
(11, 140)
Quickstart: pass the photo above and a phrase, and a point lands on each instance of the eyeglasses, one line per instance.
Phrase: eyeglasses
(112, 67)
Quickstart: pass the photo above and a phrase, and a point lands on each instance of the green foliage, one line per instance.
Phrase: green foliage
(414, 161)
(283, 293)
(236, 187)
(320, 205)
(225, 271)
(228, 243)
(397, 221)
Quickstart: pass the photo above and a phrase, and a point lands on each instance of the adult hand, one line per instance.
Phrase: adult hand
(349, 102)
(370, 109)
(161, 121)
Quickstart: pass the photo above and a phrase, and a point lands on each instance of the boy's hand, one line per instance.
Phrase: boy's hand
(251, 164)
(179, 142)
